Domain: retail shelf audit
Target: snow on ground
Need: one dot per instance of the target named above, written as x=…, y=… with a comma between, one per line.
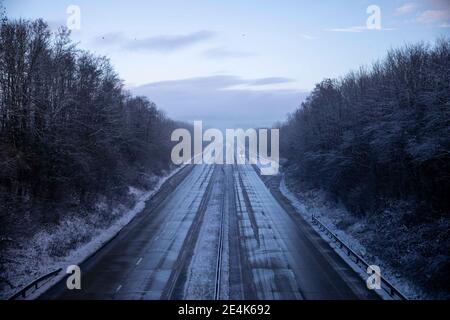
x=314, y=203
x=201, y=274
x=33, y=260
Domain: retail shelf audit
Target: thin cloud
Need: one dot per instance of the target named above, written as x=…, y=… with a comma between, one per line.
x=357, y=29
x=170, y=42
x=408, y=7
x=218, y=82
x=437, y=13
x=162, y=43
x=349, y=29
x=307, y=37
x=270, y=80
x=197, y=83
x=432, y=16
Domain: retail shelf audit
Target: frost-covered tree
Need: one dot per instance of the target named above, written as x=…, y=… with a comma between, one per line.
x=382, y=132
x=68, y=130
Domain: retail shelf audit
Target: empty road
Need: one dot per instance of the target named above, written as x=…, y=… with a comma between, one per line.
x=216, y=232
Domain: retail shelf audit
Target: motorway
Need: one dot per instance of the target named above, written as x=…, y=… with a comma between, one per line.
x=216, y=232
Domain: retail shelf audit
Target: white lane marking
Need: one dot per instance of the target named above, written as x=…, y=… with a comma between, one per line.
x=118, y=288
x=139, y=261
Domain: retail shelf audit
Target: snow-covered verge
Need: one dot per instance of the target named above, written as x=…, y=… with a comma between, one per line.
x=367, y=238
x=70, y=242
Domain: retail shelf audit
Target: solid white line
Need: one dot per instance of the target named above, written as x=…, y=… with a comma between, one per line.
x=118, y=288
x=139, y=261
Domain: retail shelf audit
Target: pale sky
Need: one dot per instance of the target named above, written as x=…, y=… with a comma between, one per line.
x=238, y=62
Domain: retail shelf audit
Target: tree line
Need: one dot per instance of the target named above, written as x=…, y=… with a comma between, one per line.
x=69, y=132
x=378, y=134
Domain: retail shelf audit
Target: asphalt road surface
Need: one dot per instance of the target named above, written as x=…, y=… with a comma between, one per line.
x=216, y=232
